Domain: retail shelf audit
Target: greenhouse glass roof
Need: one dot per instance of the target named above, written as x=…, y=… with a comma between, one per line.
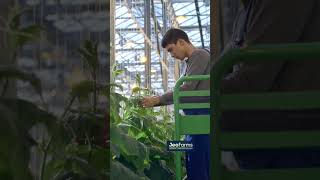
x=130, y=36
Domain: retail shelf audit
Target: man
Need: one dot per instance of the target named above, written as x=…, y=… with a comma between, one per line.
x=177, y=43
x=274, y=21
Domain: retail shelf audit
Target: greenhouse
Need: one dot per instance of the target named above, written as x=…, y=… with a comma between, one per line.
x=138, y=29
x=229, y=109
x=142, y=67
x=159, y=89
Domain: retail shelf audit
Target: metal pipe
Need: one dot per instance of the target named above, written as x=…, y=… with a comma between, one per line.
x=165, y=54
x=199, y=22
x=112, y=32
x=147, y=52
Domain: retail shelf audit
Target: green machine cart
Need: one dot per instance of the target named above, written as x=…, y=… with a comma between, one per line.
x=189, y=124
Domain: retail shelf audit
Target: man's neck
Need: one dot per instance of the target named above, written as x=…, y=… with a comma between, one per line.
x=190, y=49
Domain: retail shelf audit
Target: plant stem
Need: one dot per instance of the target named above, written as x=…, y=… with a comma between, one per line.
x=90, y=147
x=44, y=158
x=68, y=107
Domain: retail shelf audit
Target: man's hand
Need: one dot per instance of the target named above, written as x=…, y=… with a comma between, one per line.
x=150, y=101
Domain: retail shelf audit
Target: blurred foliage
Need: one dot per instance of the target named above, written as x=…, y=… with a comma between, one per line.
x=20, y=35
x=86, y=154
x=75, y=147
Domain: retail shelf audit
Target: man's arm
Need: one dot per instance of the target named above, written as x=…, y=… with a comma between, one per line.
x=199, y=66
x=270, y=21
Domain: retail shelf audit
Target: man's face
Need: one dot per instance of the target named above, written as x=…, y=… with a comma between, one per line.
x=176, y=50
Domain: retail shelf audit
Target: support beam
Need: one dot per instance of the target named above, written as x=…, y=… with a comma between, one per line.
x=216, y=30
x=147, y=30
x=199, y=22
x=164, y=71
x=220, y=25
x=137, y=29
x=175, y=24
x=112, y=32
x=172, y=1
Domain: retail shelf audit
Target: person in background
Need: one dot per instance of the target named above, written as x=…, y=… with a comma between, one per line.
x=274, y=22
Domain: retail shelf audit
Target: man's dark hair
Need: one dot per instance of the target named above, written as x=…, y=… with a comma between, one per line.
x=172, y=36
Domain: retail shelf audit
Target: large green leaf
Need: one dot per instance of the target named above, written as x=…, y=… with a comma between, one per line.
x=115, y=99
x=159, y=171
x=101, y=158
x=134, y=151
x=73, y=163
x=119, y=171
x=54, y=168
x=86, y=168
x=161, y=154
